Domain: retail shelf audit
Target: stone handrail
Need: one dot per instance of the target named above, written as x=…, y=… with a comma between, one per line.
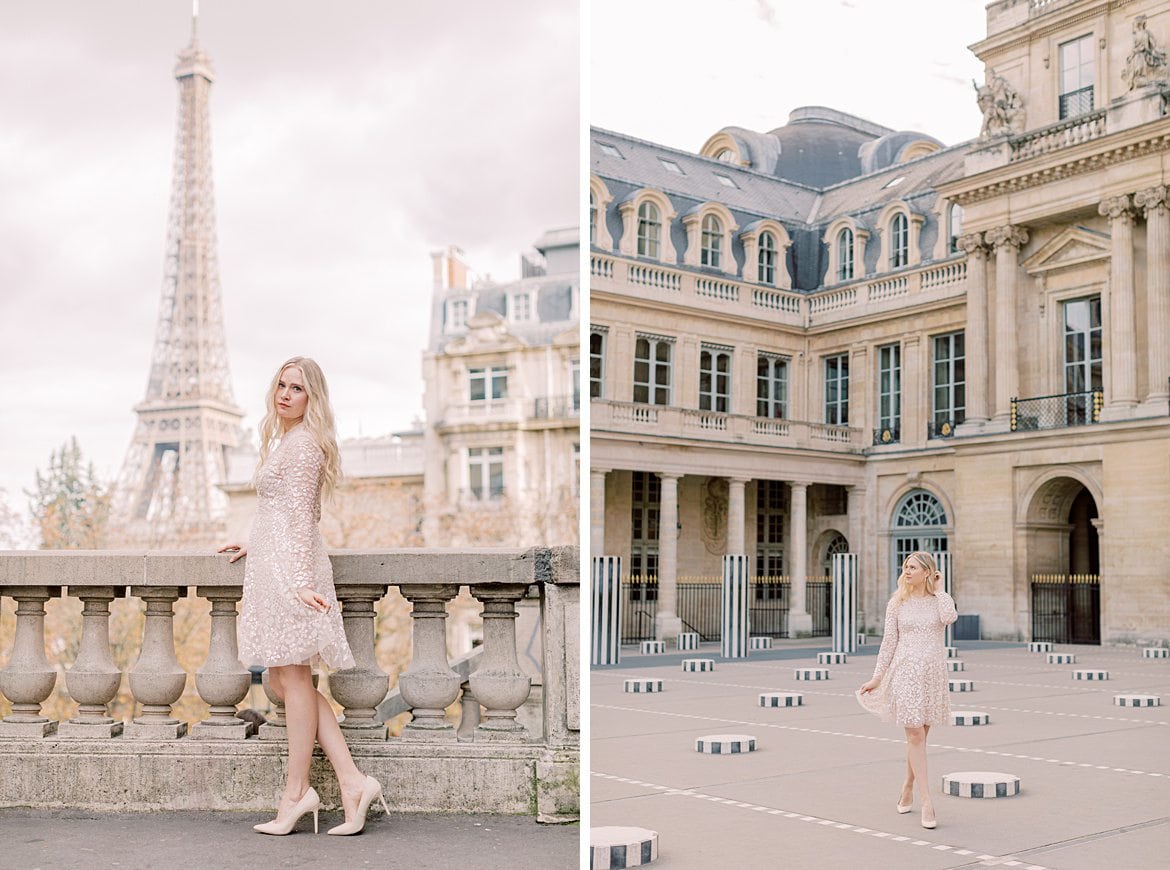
x=929, y=283
x=429, y=579
x=1058, y=136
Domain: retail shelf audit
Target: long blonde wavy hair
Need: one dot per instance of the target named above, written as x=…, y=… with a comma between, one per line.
x=933, y=578
x=318, y=421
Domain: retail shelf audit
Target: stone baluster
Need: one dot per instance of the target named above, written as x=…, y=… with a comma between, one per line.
x=498, y=682
x=94, y=679
x=1121, y=368
x=157, y=680
x=362, y=688
x=428, y=684
x=222, y=681
x=28, y=678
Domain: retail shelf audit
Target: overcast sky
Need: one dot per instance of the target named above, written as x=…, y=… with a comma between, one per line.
x=676, y=72
x=350, y=140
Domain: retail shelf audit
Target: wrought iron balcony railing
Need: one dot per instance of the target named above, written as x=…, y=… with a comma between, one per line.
x=1057, y=412
x=887, y=435
x=941, y=428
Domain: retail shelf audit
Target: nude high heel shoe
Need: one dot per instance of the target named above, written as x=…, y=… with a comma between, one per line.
x=309, y=803
x=371, y=790
x=905, y=808
x=933, y=823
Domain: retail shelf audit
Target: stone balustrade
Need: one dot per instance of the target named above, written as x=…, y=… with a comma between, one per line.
x=489, y=763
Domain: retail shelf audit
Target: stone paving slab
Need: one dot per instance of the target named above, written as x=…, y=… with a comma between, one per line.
x=823, y=782
x=68, y=839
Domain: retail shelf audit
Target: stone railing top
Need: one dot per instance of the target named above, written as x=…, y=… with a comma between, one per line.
x=406, y=567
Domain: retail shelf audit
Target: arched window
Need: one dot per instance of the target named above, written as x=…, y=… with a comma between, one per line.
x=592, y=218
x=767, y=259
x=837, y=545
x=899, y=241
x=649, y=230
x=845, y=255
x=726, y=155
x=954, y=227
x=919, y=525
x=711, y=245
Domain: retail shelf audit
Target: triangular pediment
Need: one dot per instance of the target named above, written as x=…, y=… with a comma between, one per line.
x=1070, y=247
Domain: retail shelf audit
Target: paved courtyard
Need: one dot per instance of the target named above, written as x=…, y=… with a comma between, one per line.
x=820, y=790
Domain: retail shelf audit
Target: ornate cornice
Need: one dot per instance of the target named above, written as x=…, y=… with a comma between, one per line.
x=1117, y=208
x=1007, y=236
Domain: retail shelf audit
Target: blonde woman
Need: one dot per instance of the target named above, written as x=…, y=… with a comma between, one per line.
x=909, y=684
x=290, y=619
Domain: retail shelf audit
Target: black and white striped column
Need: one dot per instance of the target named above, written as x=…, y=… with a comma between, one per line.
x=943, y=561
x=844, y=602
x=734, y=624
x=607, y=610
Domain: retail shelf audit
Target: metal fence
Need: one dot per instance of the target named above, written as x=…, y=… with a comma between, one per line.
x=1066, y=608
x=1057, y=412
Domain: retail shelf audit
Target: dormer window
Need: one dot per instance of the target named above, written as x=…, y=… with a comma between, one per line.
x=649, y=230
x=845, y=255
x=520, y=307
x=767, y=259
x=899, y=241
x=712, y=242
x=725, y=155
x=458, y=311
x=671, y=166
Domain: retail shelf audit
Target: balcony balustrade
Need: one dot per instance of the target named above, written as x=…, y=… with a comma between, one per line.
x=488, y=763
x=486, y=410
x=1057, y=412
x=1063, y=134
x=556, y=407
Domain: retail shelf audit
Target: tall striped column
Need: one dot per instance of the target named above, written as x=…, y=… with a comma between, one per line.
x=607, y=610
x=734, y=636
x=943, y=560
x=844, y=602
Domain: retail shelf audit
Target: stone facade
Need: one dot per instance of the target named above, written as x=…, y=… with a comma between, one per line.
x=837, y=335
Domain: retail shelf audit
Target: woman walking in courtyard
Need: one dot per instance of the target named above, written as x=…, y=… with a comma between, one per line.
x=290, y=619
x=909, y=684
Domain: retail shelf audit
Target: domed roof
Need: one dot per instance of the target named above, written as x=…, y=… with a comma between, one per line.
x=820, y=146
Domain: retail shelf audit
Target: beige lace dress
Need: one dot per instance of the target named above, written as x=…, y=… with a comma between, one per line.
x=912, y=664
x=286, y=553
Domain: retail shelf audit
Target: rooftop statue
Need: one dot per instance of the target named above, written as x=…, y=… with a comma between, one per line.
x=1146, y=64
x=1001, y=105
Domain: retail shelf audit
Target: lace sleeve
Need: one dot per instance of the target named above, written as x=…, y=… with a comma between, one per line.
x=889, y=640
x=946, y=608
x=302, y=479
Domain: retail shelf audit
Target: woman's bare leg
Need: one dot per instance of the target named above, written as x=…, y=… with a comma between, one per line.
x=349, y=778
x=916, y=756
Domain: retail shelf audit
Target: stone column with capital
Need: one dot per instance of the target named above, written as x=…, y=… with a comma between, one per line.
x=799, y=619
x=978, y=372
x=1155, y=203
x=1121, y=367
x=667, y=624
x=735, y=515
x=1007, y=241
x=597, y=511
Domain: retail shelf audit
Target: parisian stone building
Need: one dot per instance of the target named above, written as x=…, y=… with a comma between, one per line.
x=838, y=337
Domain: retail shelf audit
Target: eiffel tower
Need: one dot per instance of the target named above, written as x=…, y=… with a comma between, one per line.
x=167, y=494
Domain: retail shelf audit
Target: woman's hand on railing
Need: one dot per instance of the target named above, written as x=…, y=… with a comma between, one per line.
x=238, y=551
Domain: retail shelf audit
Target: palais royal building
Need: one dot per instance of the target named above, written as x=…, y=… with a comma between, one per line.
x=838, y=337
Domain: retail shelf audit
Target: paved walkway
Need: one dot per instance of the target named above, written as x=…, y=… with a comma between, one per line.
x=67, y=839
x=820, y=791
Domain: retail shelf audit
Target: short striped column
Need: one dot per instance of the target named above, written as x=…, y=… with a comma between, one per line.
x=639, y=687
x=688, y=640
x=954, y=665
x=861, y=639
x=653, y=647
x=1062, y=658
x=725, y=744
x=832, y=658
x=614, y=847
x=1044, y=646
x=980, y=784
x=812, y=673
x=969, y=717
x=698, y=665
x=606, y=623
x=951, y=651
x=733, y=641
x=943, y=561
x=960, y=686
x=1089, y=674
x=1156, y=652
x=781, y=699
x=759, y=642
x=1137, y=700
x=844, y=609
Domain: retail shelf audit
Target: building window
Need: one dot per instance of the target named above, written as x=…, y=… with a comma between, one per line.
x=575, y=383
x=487, y=384
x=611, y=150
x=954, y=227
x=837, y=390
x=714, y=379
x=485, y=472
x=890, y=391
x=1076, y=77
x=770, y=520
x=766, y=270
x=457, y=311
x=649, y=230
x=592, y=218
x=596, y=364
x=1083, y=369
x=838, y=544
x=950, y=383
x=899, y=241
x=845, y=255
x=520, y=307
x=711, y=246
x=919, y=526
x=771, y=386
x=725, y=155
x=646, y=499
x=671, y=166
x=726, y=180
x=652, y=370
